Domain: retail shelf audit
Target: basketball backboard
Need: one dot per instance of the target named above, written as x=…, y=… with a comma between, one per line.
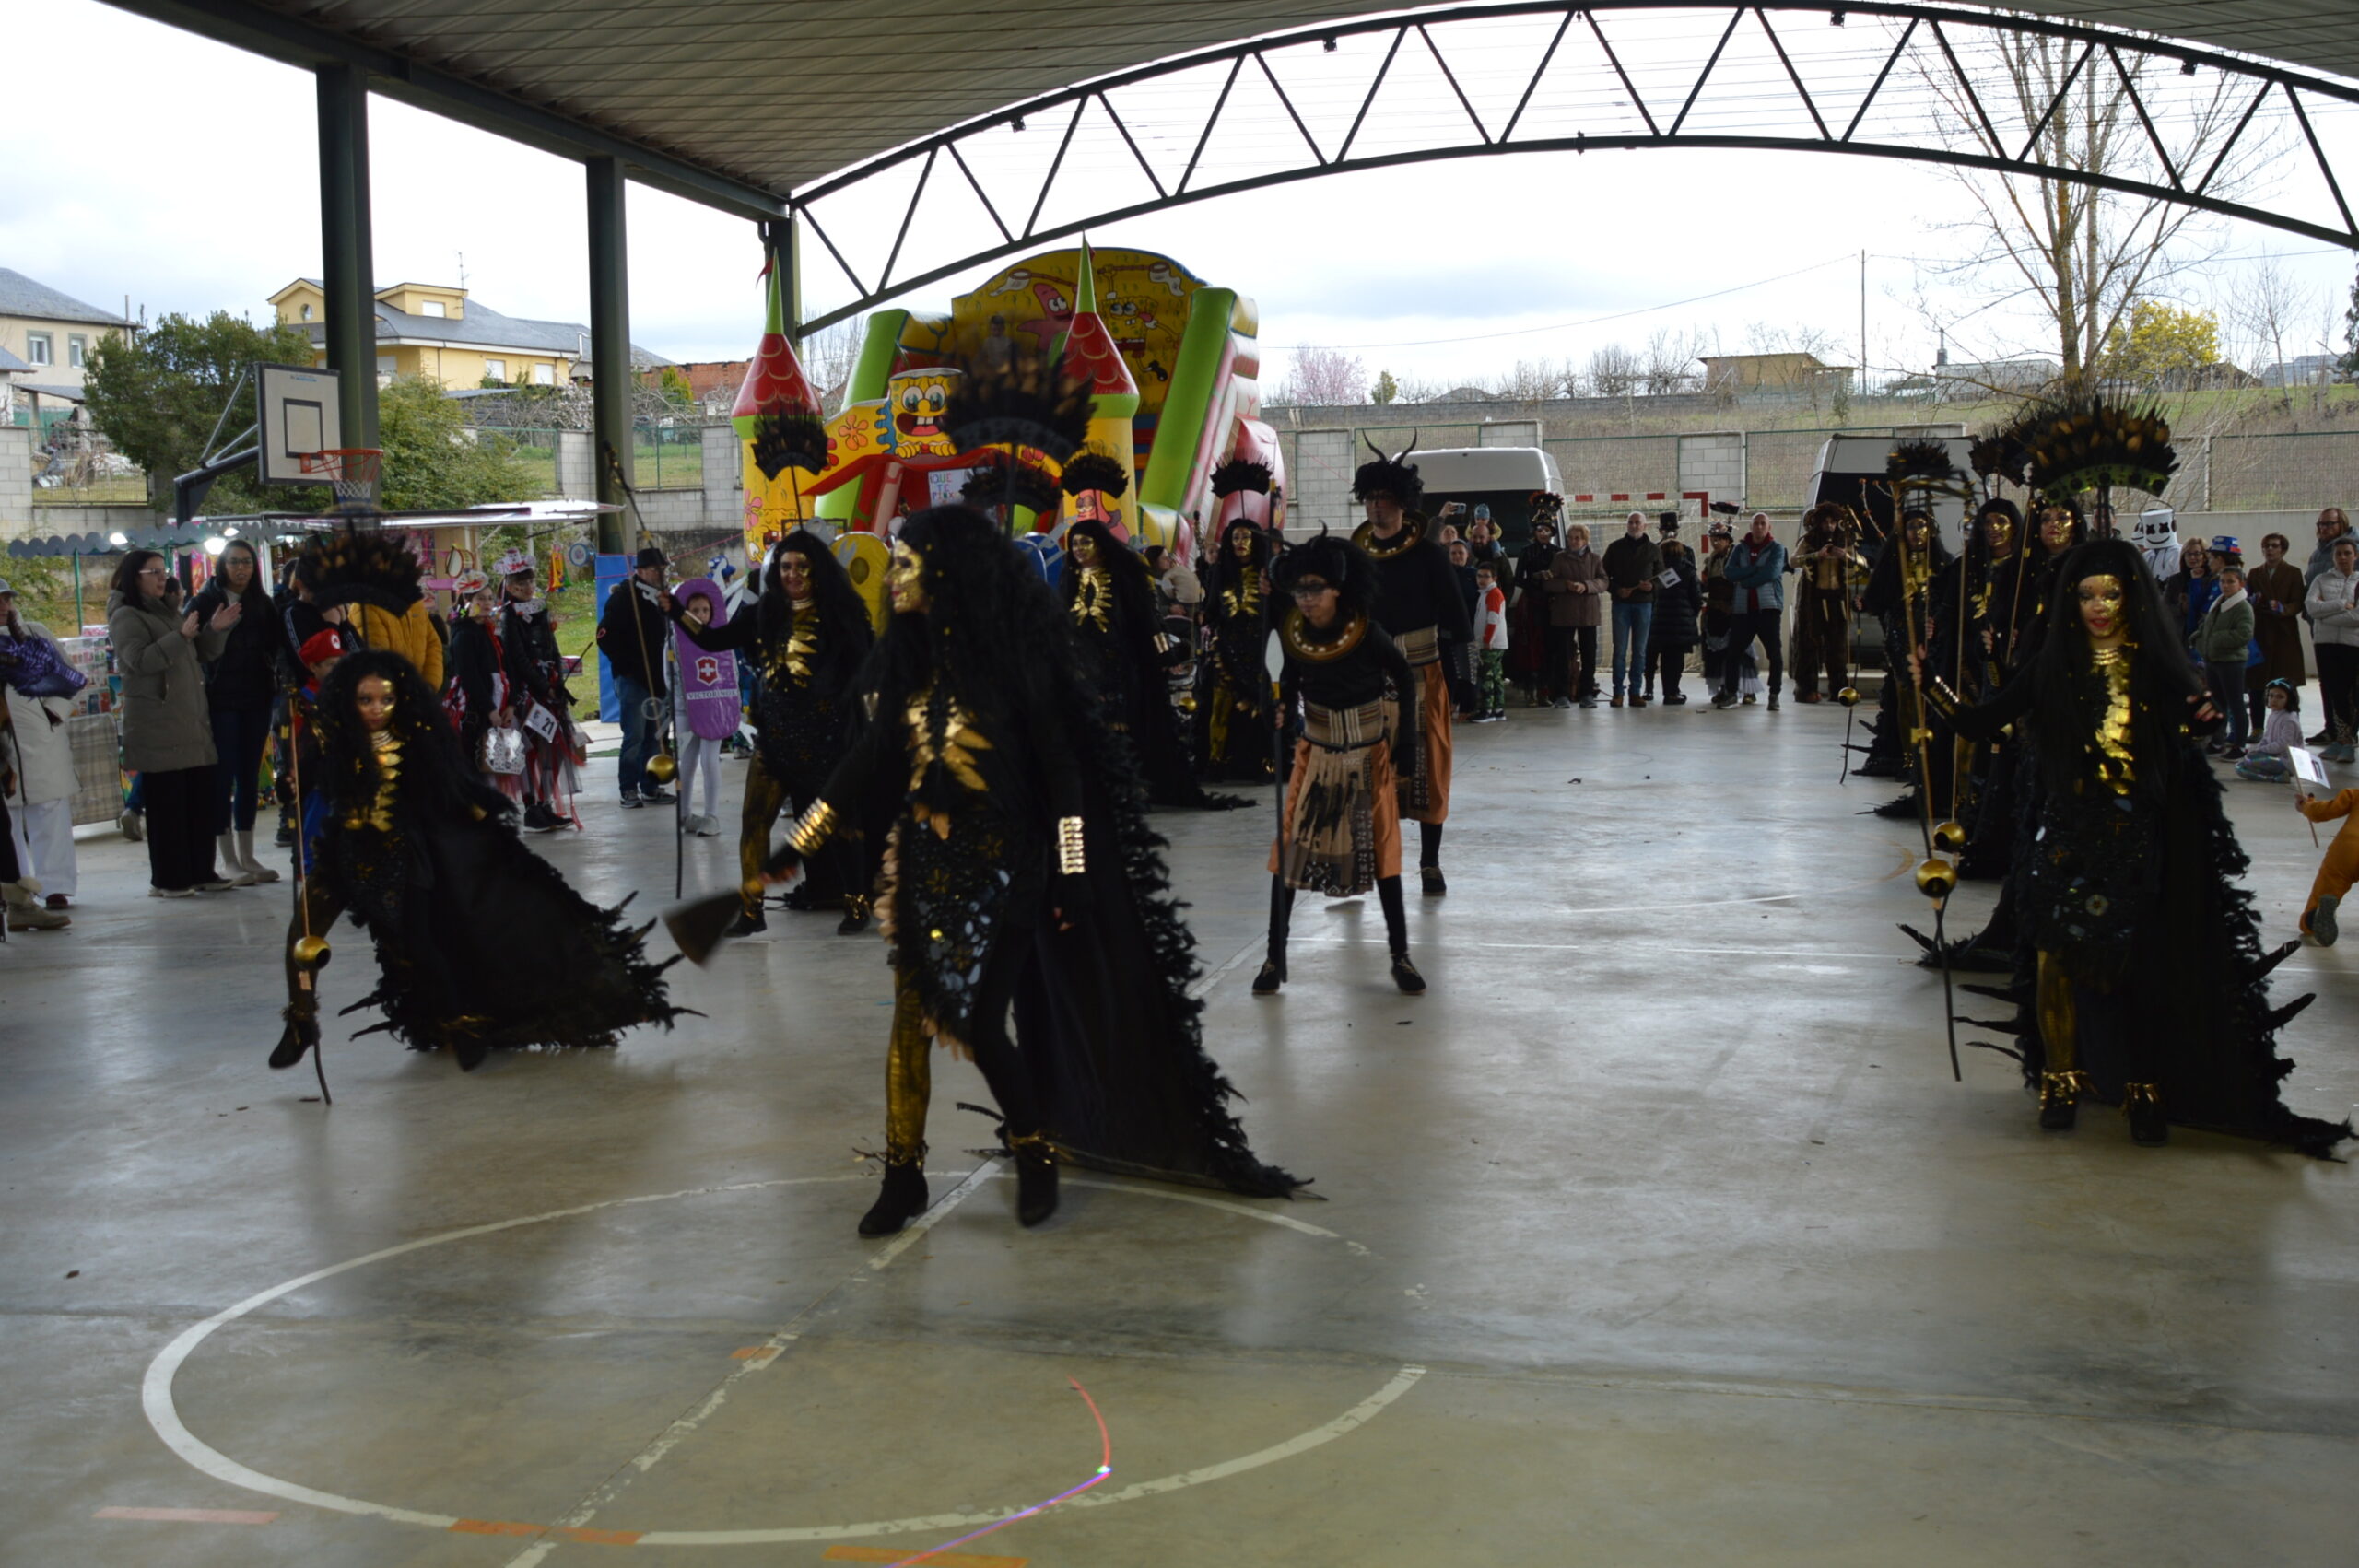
x=296, y=410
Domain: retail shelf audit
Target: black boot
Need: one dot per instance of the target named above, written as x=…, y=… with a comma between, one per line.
x=2060, y=1101
x=1273, y=968
x=1396, y=935
x=1036, y=1179
x=2143, y=1104
x=855, y=919
x=747, y=922
x=1429, y=858
x=902, y=1200
x=303, y=1034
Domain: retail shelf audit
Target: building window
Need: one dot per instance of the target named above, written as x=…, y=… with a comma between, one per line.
x=307, y=312
x=432, y=307
x=37, y=348
x=495, y=369
x=78, y=349
x=545, y=375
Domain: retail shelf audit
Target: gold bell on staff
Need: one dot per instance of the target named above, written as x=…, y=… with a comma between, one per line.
x=1949, y=835
x=1848, y=696
x=1936, y=879
x=311, y=952
x=662, y=767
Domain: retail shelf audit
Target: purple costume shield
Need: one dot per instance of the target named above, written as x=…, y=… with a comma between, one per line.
x=708, y=703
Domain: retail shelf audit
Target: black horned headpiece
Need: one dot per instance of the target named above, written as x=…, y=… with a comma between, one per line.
x=1335, y=559
x=1545, y=505
x=1389, y=476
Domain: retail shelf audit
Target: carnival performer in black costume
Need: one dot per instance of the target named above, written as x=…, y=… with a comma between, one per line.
x=1420, y=606
x=807, y=635
x=1110, y=597
x=479, y=941
x=2009, y=809
x=1362, y=709
x=2140, y=981
x=1019, y=872
x=1979, y=606
x=1234, y=707
x=535, y=669
x=1898, y=595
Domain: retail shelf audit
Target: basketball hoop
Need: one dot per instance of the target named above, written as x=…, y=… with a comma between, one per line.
x=352, y=471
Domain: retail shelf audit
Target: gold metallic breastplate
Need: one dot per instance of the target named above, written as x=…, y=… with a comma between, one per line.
x=1092, y=600
x=955, y=749
x=802, y=646
x=380, y=814
x=1245, y=598
x=2112, y=741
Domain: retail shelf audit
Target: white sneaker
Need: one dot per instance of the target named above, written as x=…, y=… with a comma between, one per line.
x=133, y=826
x=171, y=893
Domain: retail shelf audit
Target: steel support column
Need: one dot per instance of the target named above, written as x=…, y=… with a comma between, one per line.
x=610, y=365
x=347, y=269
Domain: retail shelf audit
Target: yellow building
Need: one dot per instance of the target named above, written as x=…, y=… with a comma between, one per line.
x=435, y=332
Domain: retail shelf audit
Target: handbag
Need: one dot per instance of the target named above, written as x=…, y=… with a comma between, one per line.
x=503, y=750
x=34, y=669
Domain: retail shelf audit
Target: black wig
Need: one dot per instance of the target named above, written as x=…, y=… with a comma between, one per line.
x=2069, y=699
x=1133, y=584
x=435, y=779
x=845, y=631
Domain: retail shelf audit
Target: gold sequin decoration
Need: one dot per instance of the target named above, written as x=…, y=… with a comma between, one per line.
x=955, y=750
x=380, y=814
x=1244, y=598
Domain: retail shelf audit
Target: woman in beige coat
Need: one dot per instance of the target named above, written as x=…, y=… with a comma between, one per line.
x=167, y=729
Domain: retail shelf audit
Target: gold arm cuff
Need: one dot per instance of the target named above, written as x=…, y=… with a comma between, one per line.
x=1071, y=861
x=813, y=828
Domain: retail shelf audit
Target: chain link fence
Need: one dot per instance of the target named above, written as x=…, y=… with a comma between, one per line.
x=2305, y=469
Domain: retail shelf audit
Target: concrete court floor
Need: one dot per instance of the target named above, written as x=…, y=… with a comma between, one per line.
x=1665, y=1187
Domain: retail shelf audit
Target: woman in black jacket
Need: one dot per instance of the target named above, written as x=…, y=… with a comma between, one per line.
x=1678, y=608
x=240, y=687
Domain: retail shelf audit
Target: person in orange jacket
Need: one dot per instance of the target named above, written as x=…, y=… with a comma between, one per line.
x=2338, y=871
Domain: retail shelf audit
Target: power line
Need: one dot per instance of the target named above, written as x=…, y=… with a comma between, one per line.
x=1586, y=321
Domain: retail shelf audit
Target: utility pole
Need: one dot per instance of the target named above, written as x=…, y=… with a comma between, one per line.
x=1863, y=323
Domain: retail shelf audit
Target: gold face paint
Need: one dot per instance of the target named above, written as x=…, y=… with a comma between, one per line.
x=2102, y=604
x=2056, y=529
x=375, y=701
x=904, y=580
x=1999, y=530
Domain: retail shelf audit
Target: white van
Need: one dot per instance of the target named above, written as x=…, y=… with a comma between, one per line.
x=1500, y=477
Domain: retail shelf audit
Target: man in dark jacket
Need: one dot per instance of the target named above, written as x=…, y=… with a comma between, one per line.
x=1632, y=563
x=632, y=634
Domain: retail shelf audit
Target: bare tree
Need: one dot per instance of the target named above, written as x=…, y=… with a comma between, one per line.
x=830, y=356
x=1323, y=378
x=1418, y=388
x=1670, y=363
x=2083, y=255
x=1615, y=371
x=2267, y=310
x=1532, y=380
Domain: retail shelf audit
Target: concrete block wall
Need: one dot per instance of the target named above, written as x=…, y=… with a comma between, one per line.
x=1321, y=475
x=1510, y=433
x=724, y=473
x=16, y=482
x=1713, y=461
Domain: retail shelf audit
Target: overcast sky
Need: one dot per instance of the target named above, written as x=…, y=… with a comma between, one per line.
x=121, y=183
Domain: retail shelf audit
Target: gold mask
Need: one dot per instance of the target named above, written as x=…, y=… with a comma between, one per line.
x=905, y=580
x=2102, y=603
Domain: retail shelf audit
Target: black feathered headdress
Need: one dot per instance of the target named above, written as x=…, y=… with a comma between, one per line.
x=1006, y=482
x=1241, y=473
x=788, y=440
x=1389, y=476
x=2088, y=444
x=362, y=566
x=1545, y=505
x=1026, y=403
x=1095, y=471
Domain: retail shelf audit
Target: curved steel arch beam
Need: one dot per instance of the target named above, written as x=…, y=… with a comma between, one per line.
x=1070, y=104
